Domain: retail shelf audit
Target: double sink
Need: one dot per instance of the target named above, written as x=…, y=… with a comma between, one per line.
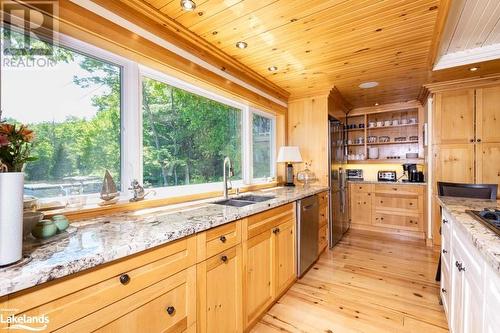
x=244, y=200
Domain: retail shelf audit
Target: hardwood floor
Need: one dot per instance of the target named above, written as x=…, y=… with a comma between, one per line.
x=368, y=283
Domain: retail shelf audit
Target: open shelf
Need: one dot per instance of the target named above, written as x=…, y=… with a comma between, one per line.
x=392, y=126
x=388, y=161
x=391, y=143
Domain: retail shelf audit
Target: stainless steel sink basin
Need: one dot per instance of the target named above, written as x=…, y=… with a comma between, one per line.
x=255, y=198
x=244, y=200
x=234, y=203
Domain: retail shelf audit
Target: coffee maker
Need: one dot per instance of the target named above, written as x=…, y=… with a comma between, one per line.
x=412, y=174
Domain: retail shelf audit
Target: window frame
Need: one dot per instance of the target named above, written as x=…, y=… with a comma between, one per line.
x=271, y=117
x=131, y=125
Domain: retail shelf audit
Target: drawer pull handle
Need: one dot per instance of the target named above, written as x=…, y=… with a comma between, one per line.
x=460, y=266
x=411, y=203
x=444, y=251
x=275, y=231
x=170, y=310
x=381, y=201
x=443, y=290
x=223, y=239
x=124, y=278
x=395, y=189
x=445, y=221
x=223, y=258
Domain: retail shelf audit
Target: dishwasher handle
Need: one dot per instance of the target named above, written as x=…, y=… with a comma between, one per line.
x=309, y=206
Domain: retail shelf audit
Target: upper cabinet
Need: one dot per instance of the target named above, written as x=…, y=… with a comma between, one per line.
x=488, y=114
x=466, y=138
x=454, y=117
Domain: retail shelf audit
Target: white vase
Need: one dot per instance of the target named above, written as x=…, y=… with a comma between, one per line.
x=11, y=217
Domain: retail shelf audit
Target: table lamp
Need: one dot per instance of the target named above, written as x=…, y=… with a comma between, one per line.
x=289, y=155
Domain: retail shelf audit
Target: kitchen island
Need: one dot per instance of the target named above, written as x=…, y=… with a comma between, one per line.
x=470, y=266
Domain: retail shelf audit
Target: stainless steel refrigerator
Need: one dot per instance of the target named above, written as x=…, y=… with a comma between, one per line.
x=338, y=205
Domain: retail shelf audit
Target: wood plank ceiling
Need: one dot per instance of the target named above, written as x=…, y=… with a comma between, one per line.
x=319, y=44
x=471, y=24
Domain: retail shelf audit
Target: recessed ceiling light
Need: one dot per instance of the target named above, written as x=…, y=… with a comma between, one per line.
x=188, y=5
x=241, y=45
x=473, y=69
x=366, y=85
x=272, y=68
x=376, y=104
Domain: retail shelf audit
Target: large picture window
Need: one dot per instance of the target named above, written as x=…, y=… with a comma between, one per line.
x=186, y=136
x=93, y=111
x=72, y=102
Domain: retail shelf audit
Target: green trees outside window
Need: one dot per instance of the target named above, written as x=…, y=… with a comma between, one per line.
x=187, y=136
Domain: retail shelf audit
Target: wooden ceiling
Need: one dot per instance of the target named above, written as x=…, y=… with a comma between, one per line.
x=321, y=44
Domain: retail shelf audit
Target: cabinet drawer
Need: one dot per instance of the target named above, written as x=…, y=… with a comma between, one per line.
x=446, y=226
x=259, y=223
x=216, y=240
x=67, y=300
x=322, y=239
x=323, y=216
x=388, y=201
x=398, y=221
x=364, y=188
x=166, y=306
x=323, y=198
x=399, y=189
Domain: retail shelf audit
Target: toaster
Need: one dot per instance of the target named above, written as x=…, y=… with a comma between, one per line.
x=386, y=176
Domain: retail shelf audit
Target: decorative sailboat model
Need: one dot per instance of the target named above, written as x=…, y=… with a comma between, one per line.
x=109, y=192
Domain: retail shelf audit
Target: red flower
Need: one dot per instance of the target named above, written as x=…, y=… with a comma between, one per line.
x=27, y=134
x=7, y=129
x=4, y=140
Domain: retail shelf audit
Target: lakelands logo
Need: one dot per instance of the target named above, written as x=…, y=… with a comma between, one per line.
x=24, y=322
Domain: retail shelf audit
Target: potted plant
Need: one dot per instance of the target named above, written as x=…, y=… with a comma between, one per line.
x=15, y=148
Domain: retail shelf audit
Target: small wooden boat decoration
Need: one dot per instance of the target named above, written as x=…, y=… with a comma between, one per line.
x=109, y=192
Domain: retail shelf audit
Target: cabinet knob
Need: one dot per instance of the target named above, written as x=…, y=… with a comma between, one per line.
x=382, y=218
x=395, y=188
x=364, y=202
x=443, y=290
x=124, y=278
x=444, y=251
x=223, y=258
x=471, y=140
x=369, y=194
x=170, y=310
x=381, y=201
x=275, y=231
x=411, y=203
x=478, y=140
x=445, y=221
x=222, y=239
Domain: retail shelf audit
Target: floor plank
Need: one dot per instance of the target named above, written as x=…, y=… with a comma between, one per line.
x=368, y=283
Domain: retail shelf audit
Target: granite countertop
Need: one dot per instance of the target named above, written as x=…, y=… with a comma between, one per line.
x=101, y=240
x=385, y=183
x=484, y=239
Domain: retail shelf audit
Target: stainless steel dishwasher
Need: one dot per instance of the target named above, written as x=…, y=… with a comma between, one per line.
x=307, y=233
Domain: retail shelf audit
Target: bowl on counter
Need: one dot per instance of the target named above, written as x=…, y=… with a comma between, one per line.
x=30, y=219
x=44, y=229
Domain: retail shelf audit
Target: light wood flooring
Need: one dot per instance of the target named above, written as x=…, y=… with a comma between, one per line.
x=368, y=283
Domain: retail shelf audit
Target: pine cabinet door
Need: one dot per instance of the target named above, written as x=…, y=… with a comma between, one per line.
x=454, y=117
x=259, y=270
x=488, y=114
x=488, y=163
x=285, y=255
x=220, y=292
x=361, y=207
x=454, y=163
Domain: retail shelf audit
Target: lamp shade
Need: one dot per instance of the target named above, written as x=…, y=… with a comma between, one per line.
x=289, y=154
